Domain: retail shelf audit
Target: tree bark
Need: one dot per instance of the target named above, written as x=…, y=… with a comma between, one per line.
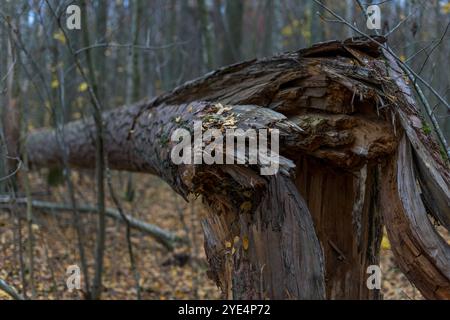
x=311, y=230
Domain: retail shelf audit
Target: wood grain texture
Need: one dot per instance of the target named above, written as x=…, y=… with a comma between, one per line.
x=423, y=255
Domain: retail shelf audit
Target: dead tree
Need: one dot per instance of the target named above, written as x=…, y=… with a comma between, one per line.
x=353, y=153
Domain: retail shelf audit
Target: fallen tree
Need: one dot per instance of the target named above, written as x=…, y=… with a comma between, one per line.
x=351, y=146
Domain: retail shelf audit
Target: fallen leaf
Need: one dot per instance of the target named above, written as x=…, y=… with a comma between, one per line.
x=245, y=243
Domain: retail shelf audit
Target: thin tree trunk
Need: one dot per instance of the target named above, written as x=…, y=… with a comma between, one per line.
x=207, y=41
x=234, y=15
x=99, y=163
x=269, y=17
x=316, y=24
x=100, y=61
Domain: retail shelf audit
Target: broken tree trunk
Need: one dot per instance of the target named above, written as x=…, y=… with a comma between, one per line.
x=311, y=230
x=421, y=252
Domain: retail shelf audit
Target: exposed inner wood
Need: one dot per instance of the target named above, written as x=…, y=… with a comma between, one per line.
x=421, y=252
x=433, y=172
x=344, y=209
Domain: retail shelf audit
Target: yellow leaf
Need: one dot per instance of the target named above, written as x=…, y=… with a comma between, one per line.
x=385, y=244
x=82, y=87
x=236, y=239
x=306, y=33
x=287, y=31
x=55, y=84
x=227, y=244
x=245, y=243
x=246, y=206
x=60, y=37
x=402, y=57
x=446, y=8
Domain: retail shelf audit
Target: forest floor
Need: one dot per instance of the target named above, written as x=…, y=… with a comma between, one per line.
x=163, y=275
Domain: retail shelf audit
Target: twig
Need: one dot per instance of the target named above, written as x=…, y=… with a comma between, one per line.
x=29, y=211
x=128, y=234
x=419, y=51
x=19, y=165
x=400, y=23
x=195, y=280
x=402, y=64
x=182, y=219
x=433, y=48
x=8, y=72
x=128, y=46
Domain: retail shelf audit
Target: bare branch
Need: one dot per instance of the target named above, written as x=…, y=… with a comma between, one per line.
x=19, y=165
x=125, y=219
x=164, y=237
x=400, y=23
x=128, y=46
x=10, y=290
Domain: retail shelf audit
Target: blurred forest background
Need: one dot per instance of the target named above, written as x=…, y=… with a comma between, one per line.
x=136, y=49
